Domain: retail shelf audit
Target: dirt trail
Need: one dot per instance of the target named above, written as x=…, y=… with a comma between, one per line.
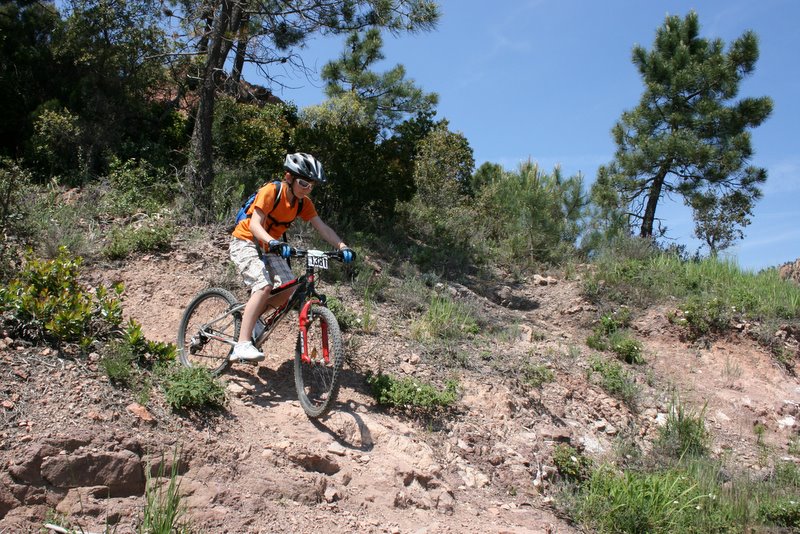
x=264, y=467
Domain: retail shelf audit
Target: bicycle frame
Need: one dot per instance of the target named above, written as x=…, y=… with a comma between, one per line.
x=303, y=297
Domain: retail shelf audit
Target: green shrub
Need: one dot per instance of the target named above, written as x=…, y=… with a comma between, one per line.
x=625, y=347
x=14, y=186
x=597, y=340
x=615, y=380
x=46, y=302
x=684, y=433
x=610, y=334
x=123, y=358
x=532, y=216
x=614, y=321
x=536, y=375
x=138, y=187
x=702, y=316
x=126, y=241
x=117, y=362
x=147, y=352
x=410, y=393
x=782, y=512
x=573, y=466
x=187, y=388
x=346, y=318
x=56, y=143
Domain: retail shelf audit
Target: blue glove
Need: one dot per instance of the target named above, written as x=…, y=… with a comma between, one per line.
x=278, y=247
x=348, y=255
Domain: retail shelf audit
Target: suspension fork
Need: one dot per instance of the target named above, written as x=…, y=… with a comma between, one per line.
x=305, y=320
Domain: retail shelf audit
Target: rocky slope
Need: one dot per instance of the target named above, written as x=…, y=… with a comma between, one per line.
x=75, y=450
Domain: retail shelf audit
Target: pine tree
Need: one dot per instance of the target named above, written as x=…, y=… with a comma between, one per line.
x=689, y=136
x=388, y=96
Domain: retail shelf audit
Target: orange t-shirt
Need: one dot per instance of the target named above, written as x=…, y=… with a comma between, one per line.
x=277, y=220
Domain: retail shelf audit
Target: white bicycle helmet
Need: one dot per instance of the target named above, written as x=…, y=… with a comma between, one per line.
x=305, y=165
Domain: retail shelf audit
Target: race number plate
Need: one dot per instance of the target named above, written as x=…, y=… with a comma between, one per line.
x=317, y=259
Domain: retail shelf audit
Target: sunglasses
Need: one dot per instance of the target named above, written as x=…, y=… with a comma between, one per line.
x=303, y=183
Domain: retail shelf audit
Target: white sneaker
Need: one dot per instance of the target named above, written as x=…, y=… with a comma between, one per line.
x=246, y=352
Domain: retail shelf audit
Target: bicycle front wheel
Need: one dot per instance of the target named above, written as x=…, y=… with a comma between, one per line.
x=317, y=377
x=208, y=330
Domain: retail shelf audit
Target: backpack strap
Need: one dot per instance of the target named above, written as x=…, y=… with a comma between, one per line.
x=273, y=220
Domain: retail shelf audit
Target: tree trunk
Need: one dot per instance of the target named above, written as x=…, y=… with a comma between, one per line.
x=201, y=165
x=652, y=201
x=241, y=49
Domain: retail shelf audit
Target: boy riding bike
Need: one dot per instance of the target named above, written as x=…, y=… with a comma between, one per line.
x=256, y=248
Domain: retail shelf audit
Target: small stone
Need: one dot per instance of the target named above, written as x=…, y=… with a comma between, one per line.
x=235, y=389
x=140, y=412
x=332, y=495
x=8, y=405
x=337, y=449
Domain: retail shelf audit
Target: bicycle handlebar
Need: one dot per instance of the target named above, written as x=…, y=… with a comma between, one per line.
x=302, y=253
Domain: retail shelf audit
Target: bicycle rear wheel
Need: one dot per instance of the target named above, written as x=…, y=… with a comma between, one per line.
x=317, y=380
x=208, y=330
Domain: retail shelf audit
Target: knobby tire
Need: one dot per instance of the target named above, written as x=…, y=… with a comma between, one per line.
x=317, y=382
x=197, y=350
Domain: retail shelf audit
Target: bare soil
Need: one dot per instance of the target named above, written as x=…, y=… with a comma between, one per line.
x=261, y=465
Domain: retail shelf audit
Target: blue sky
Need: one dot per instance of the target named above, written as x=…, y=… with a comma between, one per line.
x=547, y=80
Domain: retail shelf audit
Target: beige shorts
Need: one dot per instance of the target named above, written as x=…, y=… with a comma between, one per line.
x=257, y=274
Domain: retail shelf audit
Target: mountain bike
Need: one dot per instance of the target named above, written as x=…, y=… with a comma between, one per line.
x=211, y=323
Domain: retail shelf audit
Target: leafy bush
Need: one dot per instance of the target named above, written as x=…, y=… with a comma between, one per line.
x=56, y=143
x=615, y=321
x=346, y=318
x=625, y=347
x=536, y=375
x=187, y=388
x=252, y=137
x=615, y=380
x=126, y=241
x=782, y=512
x=138, y=186
x=533, y=216
x=441, y=213
x=703, y=316
x=14, y=185
x=571, y=465
x=597, y=340
x=411, y=393
x=46, y=302
x=125, y=357
x=147, y=352
x=610, y=334
x=117, y=362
